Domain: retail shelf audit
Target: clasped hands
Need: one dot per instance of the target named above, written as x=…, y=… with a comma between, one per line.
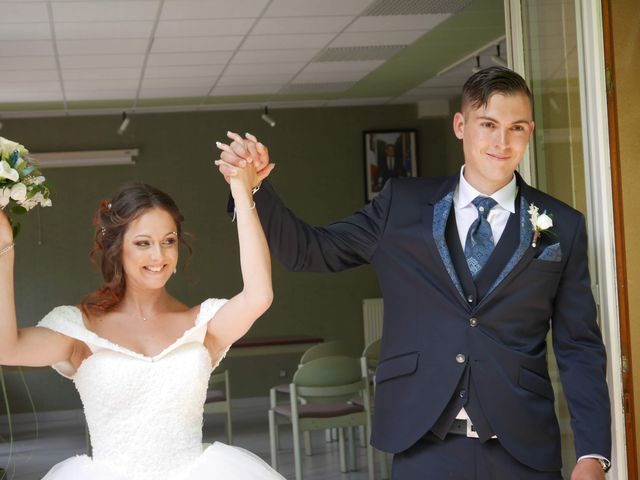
x=242, y=151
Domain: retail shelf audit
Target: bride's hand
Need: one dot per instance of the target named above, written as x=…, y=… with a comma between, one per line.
x=6, y=232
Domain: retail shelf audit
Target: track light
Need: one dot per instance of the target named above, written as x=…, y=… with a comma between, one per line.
x=477, y=68
x=497, y=59
x=265, y=116
x=125, y=123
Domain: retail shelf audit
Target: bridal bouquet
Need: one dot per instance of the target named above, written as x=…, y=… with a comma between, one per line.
x=22, y=186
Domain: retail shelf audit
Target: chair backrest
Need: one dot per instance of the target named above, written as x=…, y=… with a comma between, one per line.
x=325, y=349
x=329, y=379
x=372, y=354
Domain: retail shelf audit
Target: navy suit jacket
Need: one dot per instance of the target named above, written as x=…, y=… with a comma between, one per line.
x=430, y=342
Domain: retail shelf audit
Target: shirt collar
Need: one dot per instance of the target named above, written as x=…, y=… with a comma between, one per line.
x=505, y=197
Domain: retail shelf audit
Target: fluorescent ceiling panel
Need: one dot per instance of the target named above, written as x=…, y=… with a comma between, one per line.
x=122, y=84
x=397, y=23
x=312, y=77
x=196, y=44
x=189, y=58
x=357, y=39
x=102, y=46
x=275, y=26
x=30, y=96
x=263, y=68
x=24, y=31
x=83, y=95
x=296, y=8
x=27, y=75
x=104, y=61
x=178, y=82
x=225, y=90
x=96, y=11
x=274, y=56
x=274, y=42
x=207, y=27
x=254, y=80
x=32, y=63
x=183, y=71
x=17, y=48
x=189, y=9
x=100, y=73
x=15, y=12
x=86, y=158
x=101, y=30
x=366, y=65
x=167, y=92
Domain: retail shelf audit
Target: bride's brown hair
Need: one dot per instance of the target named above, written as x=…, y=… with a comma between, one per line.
x=111, y=222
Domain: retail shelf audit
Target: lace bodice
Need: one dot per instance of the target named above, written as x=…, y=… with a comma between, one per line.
x=144, y=413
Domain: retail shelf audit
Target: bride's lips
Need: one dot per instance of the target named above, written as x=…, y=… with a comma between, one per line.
x=154, y=269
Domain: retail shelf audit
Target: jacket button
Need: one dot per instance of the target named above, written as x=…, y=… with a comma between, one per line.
x=473, y=322
x=460, y=358
x=470, y=298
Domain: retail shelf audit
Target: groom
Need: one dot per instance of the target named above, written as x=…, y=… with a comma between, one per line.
x=471, y=290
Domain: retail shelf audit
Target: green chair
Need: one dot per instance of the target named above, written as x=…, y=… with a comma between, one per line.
x=219, y=400
x=325, y=349
x=319, y=397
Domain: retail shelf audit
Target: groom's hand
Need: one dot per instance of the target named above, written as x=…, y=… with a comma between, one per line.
x=242, y=151
x=588, y=469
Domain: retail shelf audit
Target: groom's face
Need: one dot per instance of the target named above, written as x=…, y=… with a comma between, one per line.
x=494, y=139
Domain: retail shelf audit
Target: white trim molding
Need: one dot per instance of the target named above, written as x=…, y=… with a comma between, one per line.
x=595, y=139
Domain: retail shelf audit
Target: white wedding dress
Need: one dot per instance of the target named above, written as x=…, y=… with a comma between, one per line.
x=145, y=413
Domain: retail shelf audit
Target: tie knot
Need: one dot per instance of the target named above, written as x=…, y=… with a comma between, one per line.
x=484, y=204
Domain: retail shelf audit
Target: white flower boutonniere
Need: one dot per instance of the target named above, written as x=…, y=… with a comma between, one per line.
x=541, y=222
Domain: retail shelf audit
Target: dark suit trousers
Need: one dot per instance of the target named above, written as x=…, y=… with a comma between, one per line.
x=461, y=458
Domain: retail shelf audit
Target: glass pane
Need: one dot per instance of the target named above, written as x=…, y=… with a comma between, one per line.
x=551, y=62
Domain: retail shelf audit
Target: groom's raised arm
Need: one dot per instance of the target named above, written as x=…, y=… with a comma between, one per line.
x=298, y=245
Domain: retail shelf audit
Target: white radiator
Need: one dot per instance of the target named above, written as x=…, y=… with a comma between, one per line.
x=372, y=312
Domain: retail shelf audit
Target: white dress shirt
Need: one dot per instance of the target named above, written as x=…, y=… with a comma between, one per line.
x=467, y=213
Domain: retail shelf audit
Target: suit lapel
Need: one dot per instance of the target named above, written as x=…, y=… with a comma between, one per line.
x=434, y=221
x=525, y=251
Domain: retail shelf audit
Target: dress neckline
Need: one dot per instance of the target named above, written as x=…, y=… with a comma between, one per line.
x=105, y=342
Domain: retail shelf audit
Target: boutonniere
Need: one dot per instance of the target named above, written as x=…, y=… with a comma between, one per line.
x=541, y=222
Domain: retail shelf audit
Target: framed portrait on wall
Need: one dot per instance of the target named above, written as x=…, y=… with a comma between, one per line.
x=388, y=154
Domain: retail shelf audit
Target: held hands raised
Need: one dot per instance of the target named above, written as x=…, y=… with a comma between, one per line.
x=235, y=156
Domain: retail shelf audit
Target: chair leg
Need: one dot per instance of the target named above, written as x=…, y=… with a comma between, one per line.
x=384, y=466
x=273, y=439
x=352, y=449
x=229, y=428
x=362, y=436
x=327, y=436
x=307, y=443
x=343, y=456
x=297, y=457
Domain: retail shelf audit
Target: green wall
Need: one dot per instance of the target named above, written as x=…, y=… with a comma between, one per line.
x=320, y=174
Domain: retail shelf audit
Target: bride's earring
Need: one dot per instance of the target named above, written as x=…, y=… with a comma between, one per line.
x=175, y=270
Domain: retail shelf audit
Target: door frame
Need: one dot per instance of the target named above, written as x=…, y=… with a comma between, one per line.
x=601, y=227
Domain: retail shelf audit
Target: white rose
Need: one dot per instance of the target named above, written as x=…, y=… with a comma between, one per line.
x=7, y=172
x=19, y=192
x=45, y=203
x=7, y=147
x=5, y=197
x=544, y=222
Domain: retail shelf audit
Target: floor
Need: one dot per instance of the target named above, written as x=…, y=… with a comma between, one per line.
x=63, y=435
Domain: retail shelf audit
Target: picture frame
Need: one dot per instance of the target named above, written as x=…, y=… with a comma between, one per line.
x=388, y=154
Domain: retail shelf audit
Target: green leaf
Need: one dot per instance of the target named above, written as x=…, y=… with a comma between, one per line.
x=16, y=229
x=18, y=210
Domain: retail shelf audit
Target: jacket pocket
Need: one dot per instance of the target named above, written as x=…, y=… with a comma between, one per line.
x=545, y=265
x=535, y=383
x=397, y=366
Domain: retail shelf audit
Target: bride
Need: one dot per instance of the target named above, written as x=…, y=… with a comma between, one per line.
x=140, y=358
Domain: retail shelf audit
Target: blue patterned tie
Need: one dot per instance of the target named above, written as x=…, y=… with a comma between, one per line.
x=479, y=244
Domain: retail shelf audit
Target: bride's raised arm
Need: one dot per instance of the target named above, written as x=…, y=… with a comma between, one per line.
x=236, y=316
x=32, y=347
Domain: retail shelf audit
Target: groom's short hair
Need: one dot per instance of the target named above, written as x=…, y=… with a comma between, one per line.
x=480, y=86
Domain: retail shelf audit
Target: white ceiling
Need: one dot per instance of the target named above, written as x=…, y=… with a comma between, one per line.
x=134, y=50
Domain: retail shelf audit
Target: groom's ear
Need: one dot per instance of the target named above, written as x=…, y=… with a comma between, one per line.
x=458, y=125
